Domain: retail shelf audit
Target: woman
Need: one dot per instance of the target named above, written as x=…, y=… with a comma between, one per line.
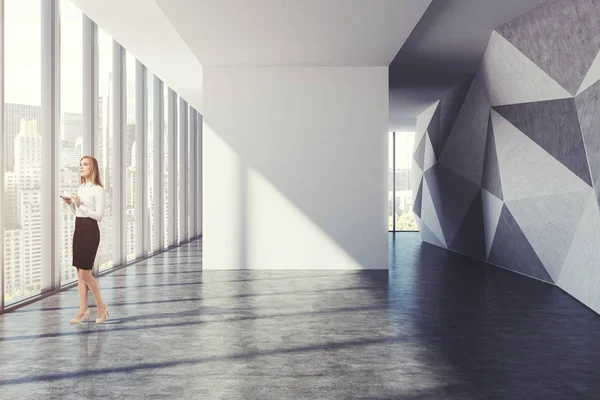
x=88, y=206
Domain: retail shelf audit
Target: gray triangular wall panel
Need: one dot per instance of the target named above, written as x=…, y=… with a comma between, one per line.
x=588, y=12
x=551, y=37
x=580, y=274
x=450, y=106
x=554, y=126
x=428, y=236
x=423, y=121
x=512, y=250
x=592, y=76
x=429, y=214
x=491, y=171
x=549, y=223
x=513, y=78
x=416, y=176
x=470, y=238
x=418, y=200
x=465, y=149
x=492, y=208
x=526, y=169
x=452, y=196
x=588, y=109
x=429, y=159
x=434, y=131
x=419, y=155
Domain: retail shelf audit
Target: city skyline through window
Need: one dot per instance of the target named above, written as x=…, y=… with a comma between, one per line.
x=23, y=131
x=130, y=156
x=104, y=144
x=81, y=121
x=400, y=196
x=71, y=134
x=152, y=238
x=167, y=165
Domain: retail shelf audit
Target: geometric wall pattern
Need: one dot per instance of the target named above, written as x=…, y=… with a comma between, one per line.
x=507, y=166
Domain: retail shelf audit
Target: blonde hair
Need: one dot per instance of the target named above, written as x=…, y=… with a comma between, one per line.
x=94, y=174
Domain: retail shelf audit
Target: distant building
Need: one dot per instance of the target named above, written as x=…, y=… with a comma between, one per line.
x=403, y=179
x=24, y=225
x=14, y=114
x=72, y=127
x=22, y=191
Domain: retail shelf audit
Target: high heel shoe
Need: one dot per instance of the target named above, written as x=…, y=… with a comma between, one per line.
x=101, y=320
x=85, y=316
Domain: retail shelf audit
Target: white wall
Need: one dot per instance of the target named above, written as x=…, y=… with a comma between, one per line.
x=295, y=168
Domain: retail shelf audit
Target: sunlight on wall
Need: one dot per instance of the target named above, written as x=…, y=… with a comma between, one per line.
x=281, y=237
x=221, y=192
x=248, y=223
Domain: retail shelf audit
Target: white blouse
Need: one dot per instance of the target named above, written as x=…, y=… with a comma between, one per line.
x=92, y=201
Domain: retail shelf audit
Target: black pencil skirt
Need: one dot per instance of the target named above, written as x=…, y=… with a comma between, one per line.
x=85, y=242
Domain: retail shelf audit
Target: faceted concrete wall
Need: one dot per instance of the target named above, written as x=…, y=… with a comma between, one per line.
x=513, y=177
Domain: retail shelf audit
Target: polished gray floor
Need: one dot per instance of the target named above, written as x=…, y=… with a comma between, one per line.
x=437, y=326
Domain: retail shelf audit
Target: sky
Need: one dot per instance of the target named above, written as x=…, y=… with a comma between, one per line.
x=23, y=57
x=71, y=49
x=404, y=150
x=22, y=48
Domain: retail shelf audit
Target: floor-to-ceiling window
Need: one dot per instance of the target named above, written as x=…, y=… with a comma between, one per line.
x=103, y=143
x=400, y=196
x=172, y=111
x=167, y=165
x=23, y=132
x=178, y=183
x=130, y=156
x=391, y=181
x=152, y=234
x=71, y=127
x=190, y=190
x=70, y=87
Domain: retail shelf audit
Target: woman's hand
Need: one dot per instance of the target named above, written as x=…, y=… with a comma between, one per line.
x=76, y=199
x=67, y=200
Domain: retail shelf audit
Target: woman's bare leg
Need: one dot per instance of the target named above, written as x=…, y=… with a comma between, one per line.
x=83, y=290
x=92, y=283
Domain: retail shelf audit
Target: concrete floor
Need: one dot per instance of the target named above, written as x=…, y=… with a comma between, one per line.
x=437, y=326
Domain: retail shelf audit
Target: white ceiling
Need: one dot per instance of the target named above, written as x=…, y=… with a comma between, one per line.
x=175, y=39
x=141, y=27
x=294, y=32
